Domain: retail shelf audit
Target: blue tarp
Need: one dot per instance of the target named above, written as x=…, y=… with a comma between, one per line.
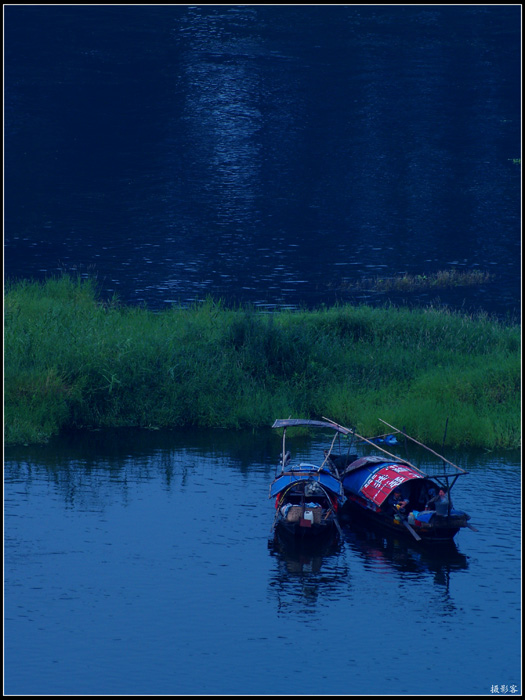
x=388, y=440
x=305, y=474
x=353, y=481
x=423, y=516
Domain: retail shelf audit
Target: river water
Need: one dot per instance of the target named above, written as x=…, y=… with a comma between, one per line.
x=138, y=563
x=277, y=155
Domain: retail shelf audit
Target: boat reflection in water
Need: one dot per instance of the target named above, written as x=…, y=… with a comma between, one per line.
x=303, y=555
x=306, y=573
x=387, y=551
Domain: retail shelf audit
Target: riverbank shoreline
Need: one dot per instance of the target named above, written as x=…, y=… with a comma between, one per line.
x=71, y=361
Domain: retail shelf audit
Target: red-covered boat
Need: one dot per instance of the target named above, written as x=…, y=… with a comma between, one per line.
x=397, y=495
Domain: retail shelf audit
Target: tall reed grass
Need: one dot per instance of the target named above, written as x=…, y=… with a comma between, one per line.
x=72, y=361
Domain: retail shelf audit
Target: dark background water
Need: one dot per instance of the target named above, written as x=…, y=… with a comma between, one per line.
x=270, y=154
x=136, y=563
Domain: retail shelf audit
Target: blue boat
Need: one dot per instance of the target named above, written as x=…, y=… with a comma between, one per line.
x=307, y=496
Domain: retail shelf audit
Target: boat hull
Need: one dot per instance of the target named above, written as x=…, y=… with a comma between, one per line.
x=442, y=529
x=301, y=532
x=399, y=497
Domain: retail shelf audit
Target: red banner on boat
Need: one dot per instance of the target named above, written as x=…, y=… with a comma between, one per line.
x=382, y=482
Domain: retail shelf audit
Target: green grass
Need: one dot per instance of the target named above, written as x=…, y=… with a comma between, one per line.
x=72, y=361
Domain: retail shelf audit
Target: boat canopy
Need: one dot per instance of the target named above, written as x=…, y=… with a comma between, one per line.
x=306, y=472
x=377, y=481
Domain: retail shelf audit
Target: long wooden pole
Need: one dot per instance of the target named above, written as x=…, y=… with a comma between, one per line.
x=328, y=455
x=422, y=445
x=352, y=432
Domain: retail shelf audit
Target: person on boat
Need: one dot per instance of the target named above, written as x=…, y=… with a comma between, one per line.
x=440, y=503
x=398, y=502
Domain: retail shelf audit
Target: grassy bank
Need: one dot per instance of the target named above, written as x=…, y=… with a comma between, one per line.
x=444, y=279
x=404, y=282
x=72, y=361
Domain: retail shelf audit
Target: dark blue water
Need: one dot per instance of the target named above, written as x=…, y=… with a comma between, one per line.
x=137, y=563
x=271, y=154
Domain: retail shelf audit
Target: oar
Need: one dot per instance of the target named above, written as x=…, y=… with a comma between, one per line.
x=275, y=518
x=272, y=534
x=336, y=521
x=410, y=528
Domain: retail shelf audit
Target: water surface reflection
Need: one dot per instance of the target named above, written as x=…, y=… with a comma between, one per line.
x=385, y=553
x=263, y=154
x=304, y=573
x=143, y=556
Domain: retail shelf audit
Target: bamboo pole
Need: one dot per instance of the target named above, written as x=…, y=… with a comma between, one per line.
x=426, y=448
x=352, y=432
x=328, y=455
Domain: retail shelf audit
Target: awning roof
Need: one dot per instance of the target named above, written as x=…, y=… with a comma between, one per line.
x=306, y=474
x=377, y=483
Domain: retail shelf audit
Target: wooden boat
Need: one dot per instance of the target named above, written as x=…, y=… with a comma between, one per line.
x=371, y=482
x=307, y=496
